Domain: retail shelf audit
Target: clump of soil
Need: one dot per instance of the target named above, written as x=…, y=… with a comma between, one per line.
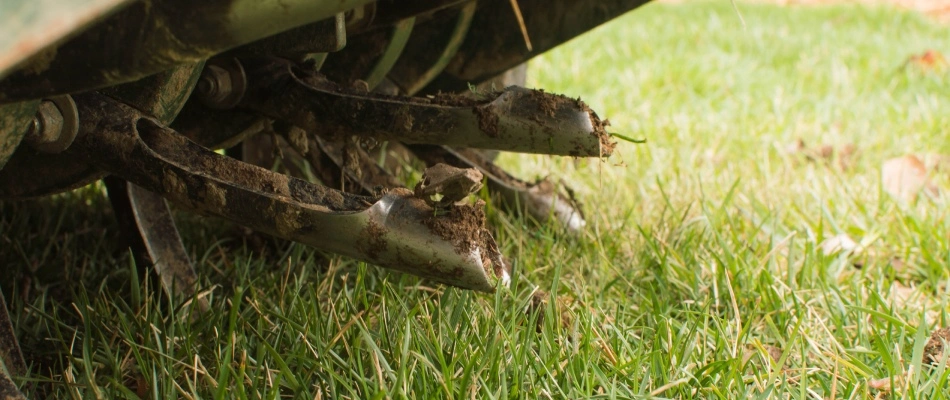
x=487, y=120
x=403, y=122
x=547, y=103
x=452, y=183
x=332, y=199
x=934, y=349
x=462, y=226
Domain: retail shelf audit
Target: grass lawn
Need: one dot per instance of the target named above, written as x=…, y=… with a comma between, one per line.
x=700, y=275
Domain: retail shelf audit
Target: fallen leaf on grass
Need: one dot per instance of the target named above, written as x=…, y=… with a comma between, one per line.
x=898, y=264
x=796, y=147
x=563, y=307
x=934, y=349
x=904, y=178
x=936, y=162
x=751, y=350
x=846, y=156
x=841, y=156
x=901, y=294
x=930, y=60
x=838, y=244
x=883, y=384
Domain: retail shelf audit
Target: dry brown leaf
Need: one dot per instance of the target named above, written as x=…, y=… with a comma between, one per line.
x=898, y=264
x=774, y=352
x=901, y=294
x=930, y=60
x=883, y=384
x=904, y=178
x=837, y=244
x=841, y=157
x=795, y=147
x=936, y=162
x=934, y=349
x=750, y=350
x=846, y=156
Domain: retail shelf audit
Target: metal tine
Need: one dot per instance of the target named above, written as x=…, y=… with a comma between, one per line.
x=146, y=219
x=515, y=119
x=395, y=230
x=541, y=199
x=339, y=162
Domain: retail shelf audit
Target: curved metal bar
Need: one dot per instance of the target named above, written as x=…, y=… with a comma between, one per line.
x=495, y=43
x=463, y=22
x=33, y=174
x=396, y=231
x=146, y=219
x=331, y=158
x=397, y=42
x=516, y=119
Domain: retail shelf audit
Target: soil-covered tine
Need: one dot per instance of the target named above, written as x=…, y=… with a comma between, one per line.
x=396, y=230
x=514, y=119
x=339, y=161
x=147, y=222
